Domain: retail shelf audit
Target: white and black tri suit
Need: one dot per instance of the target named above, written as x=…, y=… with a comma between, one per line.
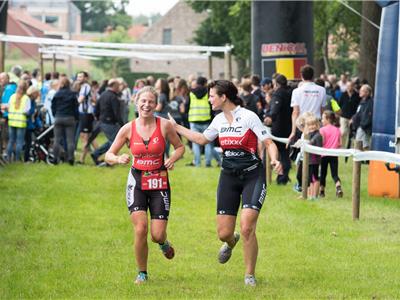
x=243, y=174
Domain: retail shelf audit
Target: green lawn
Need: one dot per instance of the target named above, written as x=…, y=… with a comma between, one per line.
x=65, y=233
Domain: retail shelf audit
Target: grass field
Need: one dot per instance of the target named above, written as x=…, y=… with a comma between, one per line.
x=65, y=233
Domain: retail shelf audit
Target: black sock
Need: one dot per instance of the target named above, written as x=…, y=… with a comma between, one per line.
x=145, y=272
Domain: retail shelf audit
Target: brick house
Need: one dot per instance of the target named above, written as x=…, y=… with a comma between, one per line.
x=177, y=27
x=58, y=14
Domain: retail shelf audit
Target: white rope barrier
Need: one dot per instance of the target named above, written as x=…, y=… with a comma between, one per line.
x=358, y=155
x=328, y=152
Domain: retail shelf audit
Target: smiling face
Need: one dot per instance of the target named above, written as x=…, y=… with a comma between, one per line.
x=146, y=104
x=216, y=101
x=311, y=126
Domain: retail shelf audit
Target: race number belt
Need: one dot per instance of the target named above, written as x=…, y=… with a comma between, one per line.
x=154, y=180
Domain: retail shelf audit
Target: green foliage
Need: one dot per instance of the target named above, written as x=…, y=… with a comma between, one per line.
x=333, y=19
x=228, y=22
x=66, y=234
x=97, y=15
x=114, y=66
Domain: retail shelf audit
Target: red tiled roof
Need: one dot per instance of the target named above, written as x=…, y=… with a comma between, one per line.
x=136, y=31
x=30, y=21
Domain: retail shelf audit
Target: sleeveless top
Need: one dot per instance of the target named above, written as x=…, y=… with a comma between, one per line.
x=147, y=155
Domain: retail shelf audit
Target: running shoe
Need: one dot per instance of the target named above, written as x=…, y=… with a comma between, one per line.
x=167, y=250
x=225, y=252
x=297, y=188
x=250, y=280
x=339, y=192
x=141, y=278
x=322, y=193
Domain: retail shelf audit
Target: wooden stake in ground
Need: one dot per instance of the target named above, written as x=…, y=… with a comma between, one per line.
x=356, y=183
x=305, y=171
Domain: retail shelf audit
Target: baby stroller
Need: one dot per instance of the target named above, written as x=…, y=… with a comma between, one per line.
x=40, y=149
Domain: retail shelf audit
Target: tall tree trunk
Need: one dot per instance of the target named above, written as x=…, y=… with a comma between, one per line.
x=319, y=65
x=369, y=41
x=242, y=67
x=325, y=50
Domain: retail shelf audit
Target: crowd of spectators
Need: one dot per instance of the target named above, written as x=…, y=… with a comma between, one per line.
x=81, y=108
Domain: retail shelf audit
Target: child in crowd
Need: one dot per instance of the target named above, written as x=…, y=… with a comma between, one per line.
x=330, y=140
x=300, y=124
x=312, y=129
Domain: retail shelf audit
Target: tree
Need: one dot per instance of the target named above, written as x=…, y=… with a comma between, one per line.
x=97, y=15
x=369, y=41
x=114, y=66
x=228, y=22
x=332, y=20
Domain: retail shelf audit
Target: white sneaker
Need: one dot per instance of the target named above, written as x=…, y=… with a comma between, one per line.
x=141, y=278
x=250, y=280
x=225, y=252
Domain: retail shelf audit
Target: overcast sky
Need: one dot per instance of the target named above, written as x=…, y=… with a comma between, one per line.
x=149, y=7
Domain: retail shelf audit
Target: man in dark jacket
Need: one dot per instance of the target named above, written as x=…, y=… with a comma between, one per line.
x=279, y=117
x=362, y=120
x=348, y=103
x=108, y=114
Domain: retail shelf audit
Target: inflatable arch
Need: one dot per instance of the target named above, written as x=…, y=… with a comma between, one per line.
x=386, y=121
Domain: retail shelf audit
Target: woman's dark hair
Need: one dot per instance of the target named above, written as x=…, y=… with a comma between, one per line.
x=281, y=80
x=182, y=86
x=103, y=86
x=164, y=87
x=330, y=116
x=227, y=88
x=65, y=83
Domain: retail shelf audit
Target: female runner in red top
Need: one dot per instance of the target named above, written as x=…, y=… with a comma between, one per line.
x=148, y=186
x=242, y=178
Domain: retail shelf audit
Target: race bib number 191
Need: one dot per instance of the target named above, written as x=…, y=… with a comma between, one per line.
x=154, y=180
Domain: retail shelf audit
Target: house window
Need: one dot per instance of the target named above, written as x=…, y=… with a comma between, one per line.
x=167, y=36
x=52, y=20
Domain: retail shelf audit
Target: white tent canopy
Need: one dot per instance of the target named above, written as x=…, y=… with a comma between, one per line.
x=143, y=47
x=94, y=50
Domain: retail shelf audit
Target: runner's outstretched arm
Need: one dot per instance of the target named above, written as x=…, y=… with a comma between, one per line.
x=195, y=137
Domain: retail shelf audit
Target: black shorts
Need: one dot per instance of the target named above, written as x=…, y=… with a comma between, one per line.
x=313, y=173
x=86, y=123
x=157, y=201
x=251, y=187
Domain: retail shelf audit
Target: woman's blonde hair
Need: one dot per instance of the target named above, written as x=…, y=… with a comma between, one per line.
x=312, y=120
x=147, y=89
x=301, y=120
x=21, y=91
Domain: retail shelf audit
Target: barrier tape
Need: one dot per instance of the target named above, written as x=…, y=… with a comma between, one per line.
x=357, y=155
